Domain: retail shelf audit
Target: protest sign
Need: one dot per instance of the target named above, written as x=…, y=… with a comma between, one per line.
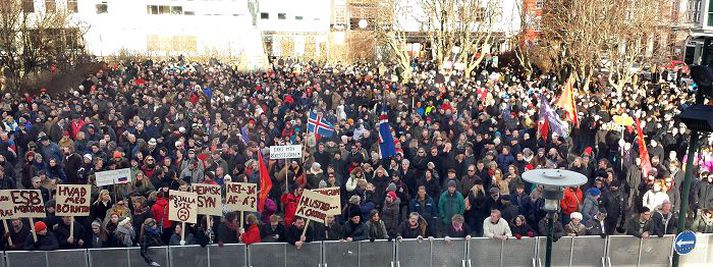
x=313, y=206
x=120, y=176
x=73, y=200
x=27, y=203
x=182, y=206
x=209, y=199
x=7, y=208
x=335, y=202
x=286, y=152
x=241, y=196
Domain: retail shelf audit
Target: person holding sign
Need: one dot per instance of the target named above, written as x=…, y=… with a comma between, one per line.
x=252, y=235
x=68, y=238
x=298, y=233
x=17, y=235
x=45, y=239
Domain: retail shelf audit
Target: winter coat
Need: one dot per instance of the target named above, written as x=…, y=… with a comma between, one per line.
x=62, y=233
x=313, y=178
x=290, y=201
x=356, y=231
x=522, y=230
x=251, y=235
x=703, y=196
x=636, y=228
x=570, y=202
x=268, y=233
x=159, y=210
x=590, y=208
x=44, y=242
x=578, y=229
x=663, y=224
x=461, y=233
x=426, y=208
x=377, y=230
x=390, y=215
x=449, y=205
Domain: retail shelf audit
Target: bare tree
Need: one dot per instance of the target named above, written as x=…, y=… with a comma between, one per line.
x=31, y=40
x=460, y=31
x=633, y=28
x=389, y=34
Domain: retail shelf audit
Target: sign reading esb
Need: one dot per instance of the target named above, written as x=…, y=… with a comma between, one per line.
x=286, y=152
x=685, y=242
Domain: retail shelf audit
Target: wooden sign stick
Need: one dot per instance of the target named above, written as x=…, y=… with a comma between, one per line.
x=7, y=230
x=34, y=234
x=71, y=227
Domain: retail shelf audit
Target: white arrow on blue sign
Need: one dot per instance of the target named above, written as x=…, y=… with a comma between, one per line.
x=685, y=242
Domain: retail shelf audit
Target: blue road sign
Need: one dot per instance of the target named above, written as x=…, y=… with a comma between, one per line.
x=685, y=242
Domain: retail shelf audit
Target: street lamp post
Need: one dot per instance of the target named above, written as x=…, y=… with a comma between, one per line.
x=553, y=182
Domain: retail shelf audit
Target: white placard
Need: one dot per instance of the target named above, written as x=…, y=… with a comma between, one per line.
x=286, y=152
x=120, y=176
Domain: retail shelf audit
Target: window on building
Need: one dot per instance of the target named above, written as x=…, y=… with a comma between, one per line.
x=539, y=3
x=282, y=16
x=710, y=14
x=28, y=6
x=102, y=8
x=176, y=10
x=164, y=10
x=480, y=14
x=152, y=10
x=72, y=6
x=189, y=13
x=50, y=6
x=299, y=17
x=264, y=15
x=694, y=11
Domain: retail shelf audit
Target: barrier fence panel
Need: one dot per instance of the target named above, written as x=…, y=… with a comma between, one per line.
x=188, y=256
x=2, y=259
x=656, y=251
x=702, y=254
x=341, y=254
x=108, y=257
x=61, y=258
x=158, y=254
x=379, y=253
x=485, y=252
x=519, y=252
x=411, y=252
x=448, y=253
x=623, y=251
x=26, y=258
x=267, y=254
x=561, y=251
x=310, y=255
x=227, y=255
x=588, y=251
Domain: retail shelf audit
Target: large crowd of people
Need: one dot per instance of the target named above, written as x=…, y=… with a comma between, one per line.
x=462, y=144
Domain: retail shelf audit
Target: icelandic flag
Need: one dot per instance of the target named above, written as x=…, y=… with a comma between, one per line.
x=319, y=125
x=386, y=140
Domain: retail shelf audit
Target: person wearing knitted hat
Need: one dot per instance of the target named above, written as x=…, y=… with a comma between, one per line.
x=124, y=234
x=100, y=237
x=150, y=236
x=575, y=227
x=45, y=239
x=590, y=205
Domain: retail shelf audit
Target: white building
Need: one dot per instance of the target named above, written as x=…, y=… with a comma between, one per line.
x=295, y=27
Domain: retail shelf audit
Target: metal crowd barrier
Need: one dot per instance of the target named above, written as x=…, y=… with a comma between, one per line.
x=567, y=251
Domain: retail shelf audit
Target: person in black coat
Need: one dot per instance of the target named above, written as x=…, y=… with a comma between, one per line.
x=330, y=230
x=354, y=229
x=228, y=231
x=273, y=231
x=45, y=239
x=294, y=236
x=520, y=228
x=67, y=240
x=663, y=220
x=72, y=162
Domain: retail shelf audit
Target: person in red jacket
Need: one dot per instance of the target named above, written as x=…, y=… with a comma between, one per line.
x=160, y=214
x=570, y=202
x=252, y=235
x=291, y=200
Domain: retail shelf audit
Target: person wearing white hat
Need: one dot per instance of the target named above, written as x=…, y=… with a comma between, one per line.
x=575, y=227
x=125, y=234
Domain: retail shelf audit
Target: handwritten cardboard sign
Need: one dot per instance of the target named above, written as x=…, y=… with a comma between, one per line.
x=7, y=208
x=27, y=203
x=209, y=199
x=73, y=200
x=241, y=196
x=182, y=206
x=333, y=193
x=313, y=206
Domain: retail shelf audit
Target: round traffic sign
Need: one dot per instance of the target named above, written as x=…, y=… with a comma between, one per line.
x=685, y=242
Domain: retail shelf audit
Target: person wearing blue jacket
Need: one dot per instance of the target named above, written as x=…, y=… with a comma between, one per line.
x=424, y=205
